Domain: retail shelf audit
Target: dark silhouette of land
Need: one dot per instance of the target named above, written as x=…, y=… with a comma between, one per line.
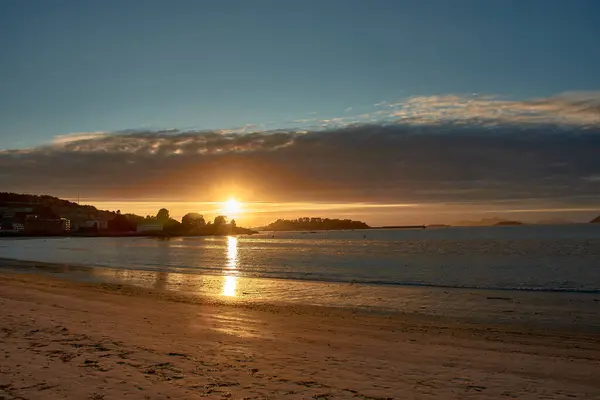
x=314, y=224
x=327, y=224
x=31, y=215
x=555, y=221
x=488, y=222
x=596, y=220
x=508, y=223
x=400, y=227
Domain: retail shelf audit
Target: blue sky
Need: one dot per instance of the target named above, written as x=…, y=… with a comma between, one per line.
x=87, y=66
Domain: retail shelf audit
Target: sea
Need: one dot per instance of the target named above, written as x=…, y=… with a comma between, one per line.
x=529, y=273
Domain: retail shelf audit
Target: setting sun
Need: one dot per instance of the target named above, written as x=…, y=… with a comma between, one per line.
x=232, y=206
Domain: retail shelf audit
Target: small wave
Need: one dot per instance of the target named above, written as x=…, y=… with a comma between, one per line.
x=316, y=277
x=484, y=287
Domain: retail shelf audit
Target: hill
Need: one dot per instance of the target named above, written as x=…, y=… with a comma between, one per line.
x=596, y=220
x=16, y=211
x=61, y=208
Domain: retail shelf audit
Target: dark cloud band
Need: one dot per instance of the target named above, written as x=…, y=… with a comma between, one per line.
x=446, y=150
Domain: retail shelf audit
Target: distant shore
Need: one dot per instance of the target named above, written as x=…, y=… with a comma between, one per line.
x=159, y=234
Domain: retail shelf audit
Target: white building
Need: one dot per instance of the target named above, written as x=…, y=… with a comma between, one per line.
x=66, y=224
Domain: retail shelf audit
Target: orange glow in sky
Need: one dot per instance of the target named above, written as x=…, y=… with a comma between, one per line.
x=254, y=214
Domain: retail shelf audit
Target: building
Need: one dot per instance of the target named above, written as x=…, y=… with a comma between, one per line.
x=66, y=224
x=31, y=219
x=11, y=227
x=44, y=226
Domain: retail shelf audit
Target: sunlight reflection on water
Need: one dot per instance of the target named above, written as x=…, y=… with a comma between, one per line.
x=230, y=281
x=229, y=286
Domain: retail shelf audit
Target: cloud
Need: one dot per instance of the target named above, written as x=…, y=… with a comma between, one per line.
x=570, y=109
x=77, y=137
x=543, y=151
x=593, y=178
x=348, y=109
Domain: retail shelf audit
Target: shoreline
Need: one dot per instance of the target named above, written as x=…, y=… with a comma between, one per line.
x=62, y=339
x=159, y=235
x=577, y=311
x=22, y=264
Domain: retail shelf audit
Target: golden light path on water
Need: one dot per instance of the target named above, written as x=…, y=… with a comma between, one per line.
x=230, y=280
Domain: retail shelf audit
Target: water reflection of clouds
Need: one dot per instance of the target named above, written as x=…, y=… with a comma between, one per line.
x=230, y=280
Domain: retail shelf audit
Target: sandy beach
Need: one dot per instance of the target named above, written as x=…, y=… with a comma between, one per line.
x=68, y=340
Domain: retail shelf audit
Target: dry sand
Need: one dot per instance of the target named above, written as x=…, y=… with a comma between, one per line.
x=65, y=340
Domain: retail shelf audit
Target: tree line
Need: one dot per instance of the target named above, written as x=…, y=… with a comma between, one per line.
x=191, y=223
x=314, y=223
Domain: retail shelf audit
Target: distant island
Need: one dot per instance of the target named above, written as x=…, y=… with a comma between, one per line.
x=314, y=224
x=488, y=222
x=555, y=221
x=399, y=227
x=508, y=223
x=502, y=222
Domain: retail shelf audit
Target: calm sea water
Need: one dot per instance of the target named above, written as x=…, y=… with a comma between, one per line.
x=543, y=258
x=535, y=275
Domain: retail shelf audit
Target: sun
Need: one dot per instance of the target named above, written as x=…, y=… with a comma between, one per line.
x=232, y=206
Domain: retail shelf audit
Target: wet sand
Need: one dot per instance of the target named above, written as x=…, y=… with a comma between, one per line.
x=70, y=340
x=570, y=311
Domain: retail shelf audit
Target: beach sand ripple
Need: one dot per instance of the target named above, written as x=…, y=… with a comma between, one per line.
x=66, y=340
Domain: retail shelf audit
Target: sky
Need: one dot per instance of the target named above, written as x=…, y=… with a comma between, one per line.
x=387, y=111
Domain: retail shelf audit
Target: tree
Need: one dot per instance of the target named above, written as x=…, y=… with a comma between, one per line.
x=220, y=221
x=219, y=226
x=134, y=219
x=163, y=215
x=193, y=220
x=233, y=224
x=314, y=223
x=121, y=224
x=172, y=226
